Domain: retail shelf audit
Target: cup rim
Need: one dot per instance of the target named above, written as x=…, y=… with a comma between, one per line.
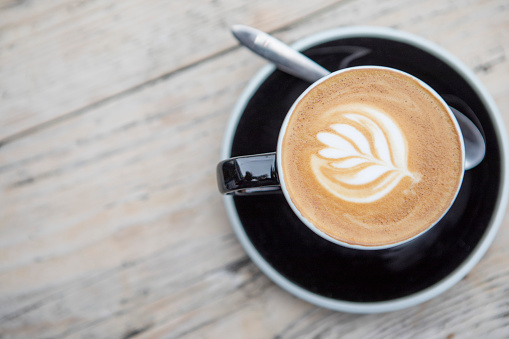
x=491, y=230
x=279, y=160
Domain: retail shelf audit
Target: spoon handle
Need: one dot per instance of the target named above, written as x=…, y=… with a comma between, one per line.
x=286, y=58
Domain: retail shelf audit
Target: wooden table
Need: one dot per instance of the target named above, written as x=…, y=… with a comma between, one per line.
x=112, y=115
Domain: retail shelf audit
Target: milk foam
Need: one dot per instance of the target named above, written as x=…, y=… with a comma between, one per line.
x=365, y=165
x=371, y=157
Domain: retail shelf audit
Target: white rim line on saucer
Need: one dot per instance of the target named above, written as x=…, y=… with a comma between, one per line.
x=477, y=253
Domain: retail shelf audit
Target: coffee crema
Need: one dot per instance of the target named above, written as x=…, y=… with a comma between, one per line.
x=371, y=157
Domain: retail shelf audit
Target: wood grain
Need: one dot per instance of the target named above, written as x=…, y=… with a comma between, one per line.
x=110, y=221
x=60, y=56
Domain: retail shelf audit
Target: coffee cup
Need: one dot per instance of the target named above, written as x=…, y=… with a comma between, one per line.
x=368, y=158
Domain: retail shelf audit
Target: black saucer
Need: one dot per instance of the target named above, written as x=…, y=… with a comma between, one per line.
x=314, y=265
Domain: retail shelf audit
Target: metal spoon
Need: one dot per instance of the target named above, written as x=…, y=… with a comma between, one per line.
x=297, y=64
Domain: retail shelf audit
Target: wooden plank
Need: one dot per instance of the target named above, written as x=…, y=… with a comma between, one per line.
x=111, y=224
x=60, y=56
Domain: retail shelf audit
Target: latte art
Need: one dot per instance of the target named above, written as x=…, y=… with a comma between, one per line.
x=371, y=156
x=366, y=157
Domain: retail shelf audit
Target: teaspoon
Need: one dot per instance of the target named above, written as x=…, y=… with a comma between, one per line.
x=297, y=64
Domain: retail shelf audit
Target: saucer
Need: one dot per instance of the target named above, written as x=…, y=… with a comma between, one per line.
x=350, y=280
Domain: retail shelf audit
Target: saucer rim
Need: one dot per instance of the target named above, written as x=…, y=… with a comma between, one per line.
x=484, y=243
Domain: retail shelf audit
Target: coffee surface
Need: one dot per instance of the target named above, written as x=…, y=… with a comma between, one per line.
x=371, y=157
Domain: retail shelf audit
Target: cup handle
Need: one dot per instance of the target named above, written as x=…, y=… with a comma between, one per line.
x=248, y=175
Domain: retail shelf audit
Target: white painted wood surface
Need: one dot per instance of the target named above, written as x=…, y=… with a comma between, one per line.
x=112, y=115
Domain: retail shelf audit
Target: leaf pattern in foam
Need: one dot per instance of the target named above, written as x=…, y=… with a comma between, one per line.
x=359, y=163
